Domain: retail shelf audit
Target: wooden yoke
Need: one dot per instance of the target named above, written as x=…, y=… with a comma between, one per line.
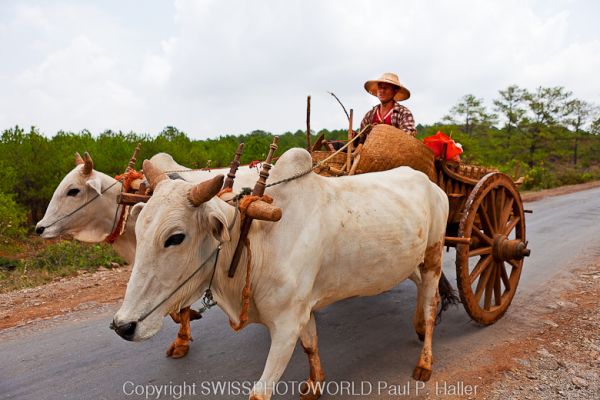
x=136, y=185
x=259, y=190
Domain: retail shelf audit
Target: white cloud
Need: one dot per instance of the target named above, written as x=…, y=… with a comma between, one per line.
x=214, y=67
x=156, y=71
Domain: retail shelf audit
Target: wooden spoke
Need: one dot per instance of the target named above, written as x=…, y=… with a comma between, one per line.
x=482, y=264
x=504, y=277
x=492, y=209
x=505, y=214
x=511, y=225
x=485, y=221
x=481, y=235
x=515, y=264
x=500, y=199
x=480, y=251
x=497, y=288
x=481, y=284
x=487, y=302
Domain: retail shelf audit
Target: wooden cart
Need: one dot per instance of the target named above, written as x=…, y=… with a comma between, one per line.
x=486, y=225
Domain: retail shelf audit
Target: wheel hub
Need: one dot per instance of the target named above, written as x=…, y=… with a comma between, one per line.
x=504, y=249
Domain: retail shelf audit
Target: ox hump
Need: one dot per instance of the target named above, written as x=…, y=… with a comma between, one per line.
x=165, y=162
x=292, y=162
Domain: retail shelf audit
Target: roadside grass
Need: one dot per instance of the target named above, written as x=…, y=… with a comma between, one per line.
x=33, y=262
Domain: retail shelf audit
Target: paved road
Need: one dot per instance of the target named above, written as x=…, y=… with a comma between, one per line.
x=368, y=341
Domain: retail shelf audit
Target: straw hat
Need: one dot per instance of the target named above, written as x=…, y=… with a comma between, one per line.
x=388, y=77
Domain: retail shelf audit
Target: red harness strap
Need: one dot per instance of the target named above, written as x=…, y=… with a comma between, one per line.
x=127, y=178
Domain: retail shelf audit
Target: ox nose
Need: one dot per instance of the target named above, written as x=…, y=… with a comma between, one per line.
x=40, y=229
x=126, y=330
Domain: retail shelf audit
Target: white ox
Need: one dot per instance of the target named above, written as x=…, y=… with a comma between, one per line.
x=94, y=222
x=68, y=214
x=338, y=238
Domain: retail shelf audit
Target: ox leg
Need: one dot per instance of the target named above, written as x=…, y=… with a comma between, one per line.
x=284, y=335
x=180, y=347
x=419, y=317
x=427, y=302
x=311, y=390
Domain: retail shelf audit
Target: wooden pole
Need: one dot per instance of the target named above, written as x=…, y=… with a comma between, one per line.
x=259, y=190
x=349, y=154
x=233, y=167
x=133, y=159
x=308, y=147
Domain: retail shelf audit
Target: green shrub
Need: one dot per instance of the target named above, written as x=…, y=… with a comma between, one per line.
x=12, y=217
x=71, y=256
x=53, y=261
x=539, y=177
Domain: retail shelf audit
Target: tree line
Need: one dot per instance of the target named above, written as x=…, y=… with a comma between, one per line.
x=545, y=135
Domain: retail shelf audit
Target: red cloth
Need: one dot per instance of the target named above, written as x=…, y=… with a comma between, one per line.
x=387, y=119
x=436, y=143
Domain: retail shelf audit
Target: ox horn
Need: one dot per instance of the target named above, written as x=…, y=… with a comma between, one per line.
x=206, y=190
x=78, y=159
x=88, y=164
x=153, y=174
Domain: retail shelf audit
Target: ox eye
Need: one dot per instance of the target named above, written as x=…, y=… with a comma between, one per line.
x=174, y=240
x=73, y=192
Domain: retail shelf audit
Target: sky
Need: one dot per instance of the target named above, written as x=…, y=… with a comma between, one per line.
x=212, y=67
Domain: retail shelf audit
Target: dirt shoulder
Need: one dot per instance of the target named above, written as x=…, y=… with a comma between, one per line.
x=63, y=296
x=538, y=195
x=550, y=350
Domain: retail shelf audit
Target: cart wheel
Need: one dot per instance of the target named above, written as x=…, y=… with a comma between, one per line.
x=488, y=269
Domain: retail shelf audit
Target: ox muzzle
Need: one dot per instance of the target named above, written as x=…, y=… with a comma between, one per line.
x=125, y=329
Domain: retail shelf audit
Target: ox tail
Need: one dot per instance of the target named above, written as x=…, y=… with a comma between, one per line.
x=448, y=296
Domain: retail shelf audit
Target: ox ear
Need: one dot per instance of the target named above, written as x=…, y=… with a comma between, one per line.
x=218, y=225
x=95, y=184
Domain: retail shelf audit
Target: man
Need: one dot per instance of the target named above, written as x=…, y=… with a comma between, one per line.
x=389, y=91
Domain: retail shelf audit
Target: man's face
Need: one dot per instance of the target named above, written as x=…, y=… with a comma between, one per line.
x=386, y=92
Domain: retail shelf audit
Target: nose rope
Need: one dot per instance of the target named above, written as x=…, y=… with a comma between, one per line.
x=217, y=251
x=207, y=299
x=82, y=206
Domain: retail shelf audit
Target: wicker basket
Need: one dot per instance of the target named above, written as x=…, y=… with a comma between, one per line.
x=336, y=161
x=387, y=147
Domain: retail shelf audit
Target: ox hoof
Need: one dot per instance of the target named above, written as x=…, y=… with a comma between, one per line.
x=421, y=336
x=308, y=390
x=421, y=374
x=178, y=350
x=194, y=315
